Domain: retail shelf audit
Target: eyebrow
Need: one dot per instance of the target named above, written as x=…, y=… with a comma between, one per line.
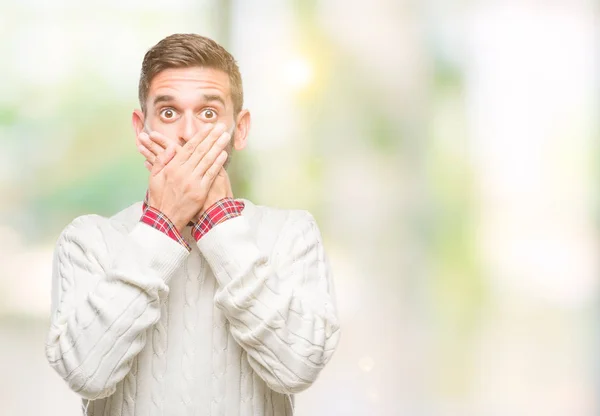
x=163, y=98
x=207, y=98
x=214, y=97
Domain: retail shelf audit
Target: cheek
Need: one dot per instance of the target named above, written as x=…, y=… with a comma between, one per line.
x=205, y=128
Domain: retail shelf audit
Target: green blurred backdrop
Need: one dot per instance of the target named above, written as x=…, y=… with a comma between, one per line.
x=447, y=149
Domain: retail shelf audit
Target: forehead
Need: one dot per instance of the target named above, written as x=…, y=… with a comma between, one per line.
x=190, y=82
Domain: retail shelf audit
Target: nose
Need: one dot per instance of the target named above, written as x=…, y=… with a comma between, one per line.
x=188, y=127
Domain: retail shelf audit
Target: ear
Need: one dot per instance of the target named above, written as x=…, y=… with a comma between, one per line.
x=242, y=128
x=137, y=119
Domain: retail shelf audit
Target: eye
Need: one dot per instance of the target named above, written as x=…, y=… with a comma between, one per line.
x=168, y=113
x=209, y=114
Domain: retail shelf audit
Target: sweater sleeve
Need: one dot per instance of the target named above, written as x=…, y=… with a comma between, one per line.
x=280, y=305
x=106, y=292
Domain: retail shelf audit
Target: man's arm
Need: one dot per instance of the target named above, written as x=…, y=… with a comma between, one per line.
x=107, y=287
x=280, y=305
x=106, y=292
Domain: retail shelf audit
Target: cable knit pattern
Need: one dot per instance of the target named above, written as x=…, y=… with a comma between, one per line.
x=130, y=390
x=141, y=326
x=194, y=279
x=246, y=386
x=159, y=359
x=219, y=361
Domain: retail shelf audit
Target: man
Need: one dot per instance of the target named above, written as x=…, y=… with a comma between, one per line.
x=191, y=302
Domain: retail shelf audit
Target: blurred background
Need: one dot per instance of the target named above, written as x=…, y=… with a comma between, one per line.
x=448, y=150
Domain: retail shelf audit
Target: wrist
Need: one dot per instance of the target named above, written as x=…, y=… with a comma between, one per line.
x=178, y=222
x=208, y=204
x=161, y=222
x=222, y=210
x=172, y=215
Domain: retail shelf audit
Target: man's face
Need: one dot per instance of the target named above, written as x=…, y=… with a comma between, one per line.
x=183, y=101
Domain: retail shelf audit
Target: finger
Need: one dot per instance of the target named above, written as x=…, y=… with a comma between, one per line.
x=159, y=139
x=213, y=153
x=163, y=159
x=156, y=167
x=152, y=146
x=203, y=133
x=150, y=157
x=213, y=171
x=223, y=175
x=198, y=145
x=168, y=154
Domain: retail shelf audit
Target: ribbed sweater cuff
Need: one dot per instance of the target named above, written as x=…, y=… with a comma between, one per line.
x=166, y=254
x=229, y=249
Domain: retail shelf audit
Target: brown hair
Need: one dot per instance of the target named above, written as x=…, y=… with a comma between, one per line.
x=187, y=50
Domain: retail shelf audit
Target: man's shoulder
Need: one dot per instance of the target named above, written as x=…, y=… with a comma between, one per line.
x=127, y=218
x=274, y=216
x=273, y=225
x=123, y=221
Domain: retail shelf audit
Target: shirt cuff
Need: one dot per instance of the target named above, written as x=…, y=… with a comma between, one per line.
x=220, y=211
x=156, y=219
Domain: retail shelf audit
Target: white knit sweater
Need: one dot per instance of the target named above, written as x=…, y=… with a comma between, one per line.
x=141, y=326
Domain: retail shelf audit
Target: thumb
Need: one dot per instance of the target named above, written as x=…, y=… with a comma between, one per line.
x=225, y=178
